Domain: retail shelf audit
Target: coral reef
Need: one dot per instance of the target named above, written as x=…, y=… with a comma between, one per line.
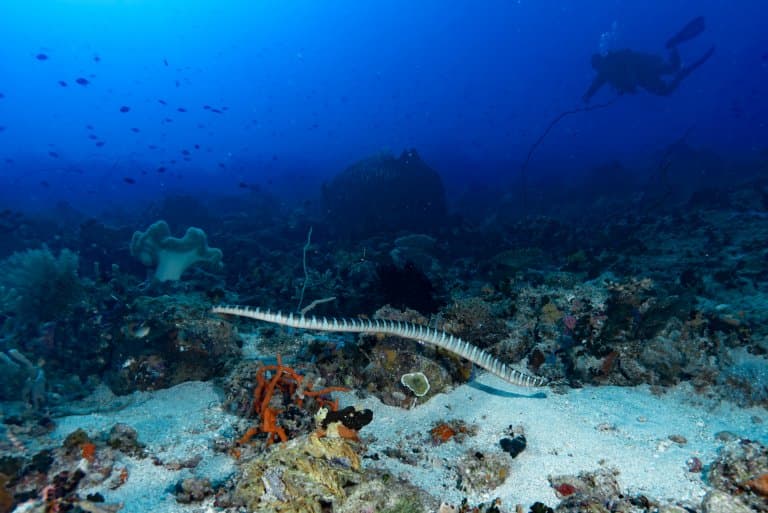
x=741, y=472
x=53, y=479
x=658, y=290
x=36, y=286
x=178, y=343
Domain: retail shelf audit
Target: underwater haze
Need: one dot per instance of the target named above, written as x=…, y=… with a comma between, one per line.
x=290, y=92
x=383, y=256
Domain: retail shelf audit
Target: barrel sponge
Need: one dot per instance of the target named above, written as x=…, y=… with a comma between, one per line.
x=171, y=255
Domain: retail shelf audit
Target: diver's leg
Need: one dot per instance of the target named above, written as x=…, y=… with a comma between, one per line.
x=664, y=88
x=692, y=29
x=674, y=63
x=684, y=72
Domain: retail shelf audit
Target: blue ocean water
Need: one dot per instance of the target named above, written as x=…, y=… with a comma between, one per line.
x=309, y=88
x=572, y=194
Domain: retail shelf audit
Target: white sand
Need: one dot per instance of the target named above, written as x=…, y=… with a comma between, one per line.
x=175, y=424
x=561, y=431
x=563, y=438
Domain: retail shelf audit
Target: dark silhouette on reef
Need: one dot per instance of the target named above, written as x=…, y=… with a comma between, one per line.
x=628, y=70
x=407, y=287
x=385, y=194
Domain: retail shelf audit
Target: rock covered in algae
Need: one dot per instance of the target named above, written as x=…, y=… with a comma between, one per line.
x=300, y=476
x=311, y=474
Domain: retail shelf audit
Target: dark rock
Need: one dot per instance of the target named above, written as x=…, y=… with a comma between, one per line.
x=350, y=417
x=513, y=446
x=407, y=287
x=124, y=438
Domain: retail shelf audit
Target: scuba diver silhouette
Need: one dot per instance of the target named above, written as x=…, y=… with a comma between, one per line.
x=627, y=70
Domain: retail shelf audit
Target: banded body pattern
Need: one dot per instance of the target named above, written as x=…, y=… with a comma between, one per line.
x=407, y=330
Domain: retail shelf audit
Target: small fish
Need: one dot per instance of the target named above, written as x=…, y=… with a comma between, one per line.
x=197, y=146
x=217, y=111
x=129, y=180
x=96, y=58
x=100, y=143
x=206, y=107
x=135, y=130
x=165, y=61
x=41, y=57
x=53, y=154
x=89, y=127
x=2, y=96
x=45, y=183
x=181, y=109
x=161, y=169
x=162, y=102
x=93, y=137
x=222, y=165
x=82, y=81
x=185, y=152
x=2, y=128
x=152, y=147
x=178, y=84
x=125, y=108
x=243, y=185
x=168, y=120
x=62, y=83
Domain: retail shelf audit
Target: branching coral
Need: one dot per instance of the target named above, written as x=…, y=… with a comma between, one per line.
x=286, y=381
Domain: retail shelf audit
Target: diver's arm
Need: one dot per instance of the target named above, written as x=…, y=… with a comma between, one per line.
x=597, y=83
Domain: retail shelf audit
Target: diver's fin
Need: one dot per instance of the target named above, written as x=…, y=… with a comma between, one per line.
x=692, y=29
x=701, y=60
x=687, y=70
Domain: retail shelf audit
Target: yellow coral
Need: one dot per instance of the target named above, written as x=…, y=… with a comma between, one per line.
x=550, y=313
x=307, y=471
